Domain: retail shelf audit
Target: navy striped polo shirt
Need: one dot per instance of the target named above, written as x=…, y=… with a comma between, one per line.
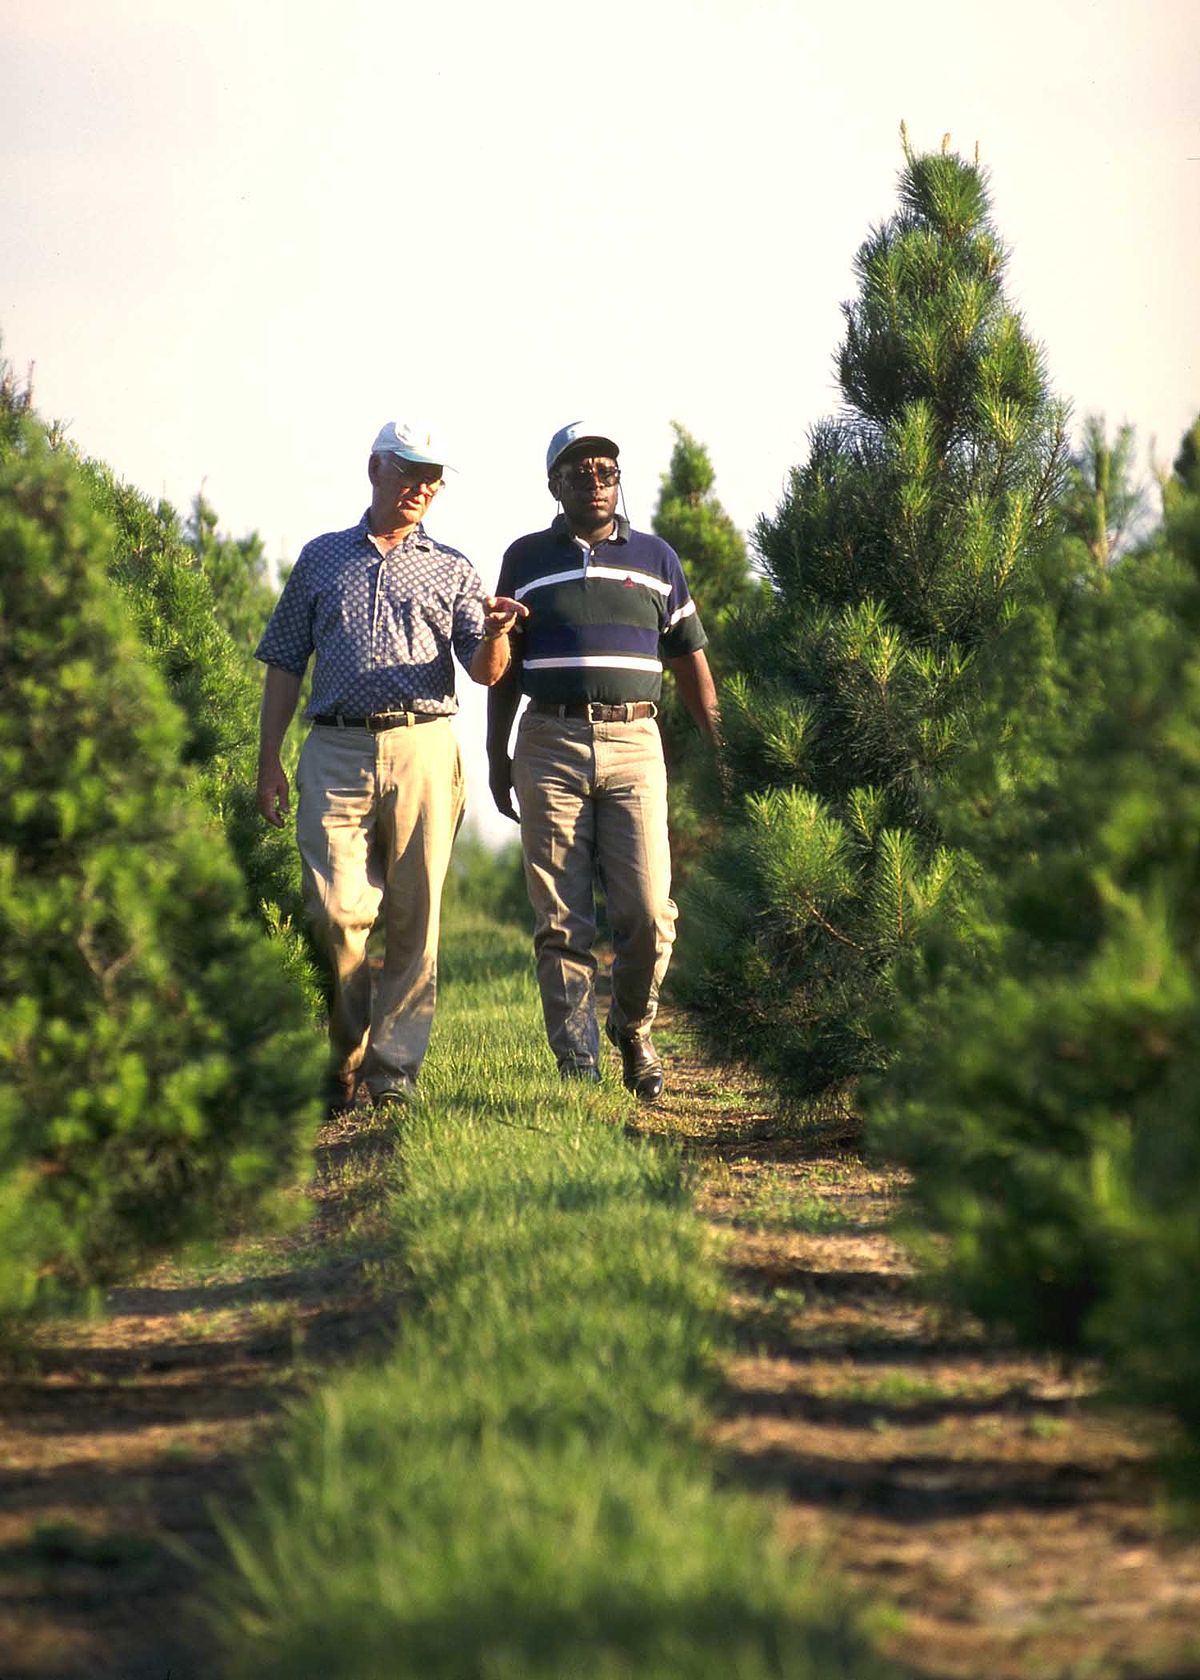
x=601, y=620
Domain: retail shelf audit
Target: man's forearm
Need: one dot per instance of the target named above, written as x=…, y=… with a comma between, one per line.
x=502, y=702
x=281, y=691
x=491, y=660
x=698, y=693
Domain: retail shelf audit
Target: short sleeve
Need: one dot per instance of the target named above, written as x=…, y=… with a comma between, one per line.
x=287, y=641
x=467, y=633
x=682, y=631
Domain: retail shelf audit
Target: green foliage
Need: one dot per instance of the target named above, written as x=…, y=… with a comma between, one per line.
x=488, y=879
x=709, y=544
x=238, y=576
x=175, y=614
x=1043, y=1081
x=1101, y=504
x=521, y=1489
x=715, y=562
x=157, y=1062
x=896, y=556
x=216, y=685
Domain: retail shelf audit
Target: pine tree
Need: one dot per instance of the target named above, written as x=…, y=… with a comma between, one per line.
x=1102, y=504
x=1043, y=1076
x=896, y=554
x=715, y=561
x=157, y=1062
x=218, y=688
x=237, y=573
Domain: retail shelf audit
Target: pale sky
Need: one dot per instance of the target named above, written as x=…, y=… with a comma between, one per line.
x=238, y=237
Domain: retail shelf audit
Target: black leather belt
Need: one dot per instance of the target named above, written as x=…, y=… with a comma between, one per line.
x=595, y=712
x=380, y=720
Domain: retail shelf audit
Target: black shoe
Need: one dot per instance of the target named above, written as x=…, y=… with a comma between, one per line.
x=341, y=1094
x=395, y=1093
x=587, y=1071
x=641, y=1070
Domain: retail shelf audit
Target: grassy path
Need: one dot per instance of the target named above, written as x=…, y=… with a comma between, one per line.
x=1008, y=1518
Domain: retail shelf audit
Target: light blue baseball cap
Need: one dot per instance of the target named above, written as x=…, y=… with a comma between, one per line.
x=578, y=431
x=411, y=441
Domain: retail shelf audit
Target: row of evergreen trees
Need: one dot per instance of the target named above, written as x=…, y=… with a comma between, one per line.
x=1041, y=1065
x=955, y=882
x=158, y=1058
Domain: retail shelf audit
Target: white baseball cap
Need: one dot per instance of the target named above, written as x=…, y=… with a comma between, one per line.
x=411, y=441
x=577, y=432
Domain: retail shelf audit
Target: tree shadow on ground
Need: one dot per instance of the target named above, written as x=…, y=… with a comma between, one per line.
x=120, y=1438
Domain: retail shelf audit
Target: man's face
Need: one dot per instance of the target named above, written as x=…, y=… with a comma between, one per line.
x=405, y=486
x=586, y=485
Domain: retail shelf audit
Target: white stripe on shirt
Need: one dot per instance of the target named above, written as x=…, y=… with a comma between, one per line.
x=580, y=661
x=617, y=573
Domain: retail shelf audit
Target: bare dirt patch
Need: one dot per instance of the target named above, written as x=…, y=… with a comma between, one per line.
x=1010, y=1517
x=121, y=1435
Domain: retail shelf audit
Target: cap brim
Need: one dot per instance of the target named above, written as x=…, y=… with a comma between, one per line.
x=610, y=448
x=417, y=458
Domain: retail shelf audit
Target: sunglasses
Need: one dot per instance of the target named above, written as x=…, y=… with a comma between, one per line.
x=582, y=473
x=416, y=472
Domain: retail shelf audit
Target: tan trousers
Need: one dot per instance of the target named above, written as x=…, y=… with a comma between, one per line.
x=593, y=799
x=376, y=822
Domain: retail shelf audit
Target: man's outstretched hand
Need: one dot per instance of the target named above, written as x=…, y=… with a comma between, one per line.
x=500, y=614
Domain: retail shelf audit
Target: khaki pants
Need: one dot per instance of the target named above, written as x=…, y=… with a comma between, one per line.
x=376, y=822
x=593, y=796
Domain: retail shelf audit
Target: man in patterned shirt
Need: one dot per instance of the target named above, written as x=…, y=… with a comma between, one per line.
x=608, y=607
x=382, y=607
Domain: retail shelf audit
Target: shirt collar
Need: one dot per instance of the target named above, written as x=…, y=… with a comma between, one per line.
x=364, y=529
x=620, y=530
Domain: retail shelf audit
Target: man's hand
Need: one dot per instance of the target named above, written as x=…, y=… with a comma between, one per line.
x=281, y=691
x=500, y=782
x=500, y=614
x=273, y=793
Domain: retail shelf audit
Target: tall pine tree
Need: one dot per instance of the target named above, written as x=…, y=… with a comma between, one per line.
x=895, y=555
x=713, y=551
x=1043, y=1076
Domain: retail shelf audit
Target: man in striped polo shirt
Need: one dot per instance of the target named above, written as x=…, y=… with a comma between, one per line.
x=608, y=607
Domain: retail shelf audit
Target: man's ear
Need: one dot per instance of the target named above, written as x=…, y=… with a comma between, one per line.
x=373, y=469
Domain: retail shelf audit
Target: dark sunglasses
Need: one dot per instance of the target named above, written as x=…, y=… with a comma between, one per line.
x=582, y=473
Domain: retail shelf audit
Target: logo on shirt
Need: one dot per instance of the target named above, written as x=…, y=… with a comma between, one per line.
x=628, y=584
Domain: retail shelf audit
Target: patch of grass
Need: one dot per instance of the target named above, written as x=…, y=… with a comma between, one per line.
x=274, y=1317
x=1043, y=1428
x=900, y=1388
x=772, y=1206
x=521, y=1491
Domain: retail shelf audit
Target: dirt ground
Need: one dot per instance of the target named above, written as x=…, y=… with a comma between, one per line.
x=1010, y=1520
x=122, y=1438
x=1009, y=1516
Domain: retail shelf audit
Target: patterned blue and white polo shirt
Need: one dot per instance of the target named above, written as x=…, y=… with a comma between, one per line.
x=382, y=629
